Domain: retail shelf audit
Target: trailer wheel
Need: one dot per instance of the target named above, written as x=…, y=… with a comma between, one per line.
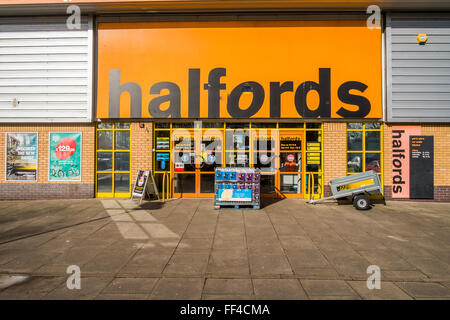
x=361, y=202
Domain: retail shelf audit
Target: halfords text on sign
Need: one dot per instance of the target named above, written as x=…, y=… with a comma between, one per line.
x=284, y=69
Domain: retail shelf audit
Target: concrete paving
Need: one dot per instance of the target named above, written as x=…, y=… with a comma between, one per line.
x=184, y=249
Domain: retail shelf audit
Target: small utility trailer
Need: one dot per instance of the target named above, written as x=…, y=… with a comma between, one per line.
x=369, y=185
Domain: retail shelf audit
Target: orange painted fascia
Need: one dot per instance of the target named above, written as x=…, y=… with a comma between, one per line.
x=202, y=3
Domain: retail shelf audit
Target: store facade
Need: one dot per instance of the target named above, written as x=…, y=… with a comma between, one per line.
x=47, y=134
x=304, y=97
x=266, y=107
x=417, y=106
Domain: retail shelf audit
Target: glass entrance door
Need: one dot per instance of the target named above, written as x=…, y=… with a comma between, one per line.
x=291, y=164
x=288, y=154
x=265, y=150
x=211, y=156
x=183, y=164
x=195, y=154
x=279, y=155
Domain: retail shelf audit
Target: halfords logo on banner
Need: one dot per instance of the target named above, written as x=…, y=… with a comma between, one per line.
x=401, y=159
x=309, y=69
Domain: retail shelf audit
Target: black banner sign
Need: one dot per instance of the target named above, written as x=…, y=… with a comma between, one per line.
x=421, y=167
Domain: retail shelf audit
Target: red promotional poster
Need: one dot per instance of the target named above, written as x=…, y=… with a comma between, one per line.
x=65, y=148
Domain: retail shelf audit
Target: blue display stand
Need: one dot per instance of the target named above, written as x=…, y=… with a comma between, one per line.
x=237, y=187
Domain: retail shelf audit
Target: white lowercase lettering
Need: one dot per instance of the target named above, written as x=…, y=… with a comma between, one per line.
x=374, y=20
x=74, y=20
x=74, y=280
x=374, y=280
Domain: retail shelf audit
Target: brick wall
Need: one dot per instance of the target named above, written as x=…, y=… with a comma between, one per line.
x=141, y=148
x=142, y=158
x=387, y=159
x=441, y=134
x=334, y=148
x=44, y=189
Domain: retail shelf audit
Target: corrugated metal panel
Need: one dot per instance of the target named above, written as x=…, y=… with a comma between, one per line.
x=418, y=76
x=47, y=68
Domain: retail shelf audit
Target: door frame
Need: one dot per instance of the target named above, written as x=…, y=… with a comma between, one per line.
x=173, y=135
x=113, y=151
x=274, y=135
x=197, y=136
x=201, y=157
x=304, y=128
x=301, y=134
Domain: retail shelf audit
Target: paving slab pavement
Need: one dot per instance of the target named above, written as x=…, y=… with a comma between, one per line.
x=388, y=291
x=278, y=289
x=327, y=288
x=185, y=249
x=178, y=289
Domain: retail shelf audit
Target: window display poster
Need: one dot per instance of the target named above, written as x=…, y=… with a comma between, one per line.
x=290, y=143
x=162, y=143
x=179, y=166
x=21, y=156
x=65, y=156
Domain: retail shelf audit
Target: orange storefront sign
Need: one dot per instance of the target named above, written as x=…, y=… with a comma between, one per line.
x=248, y=69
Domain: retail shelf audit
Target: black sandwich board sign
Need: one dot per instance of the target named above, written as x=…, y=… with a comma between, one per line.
x=421, y=167
x=144, y=185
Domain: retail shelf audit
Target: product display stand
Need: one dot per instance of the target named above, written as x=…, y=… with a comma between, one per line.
x=237, y=187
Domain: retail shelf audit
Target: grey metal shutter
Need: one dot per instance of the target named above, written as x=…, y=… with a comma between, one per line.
x=418, y=76
x=47, y=69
